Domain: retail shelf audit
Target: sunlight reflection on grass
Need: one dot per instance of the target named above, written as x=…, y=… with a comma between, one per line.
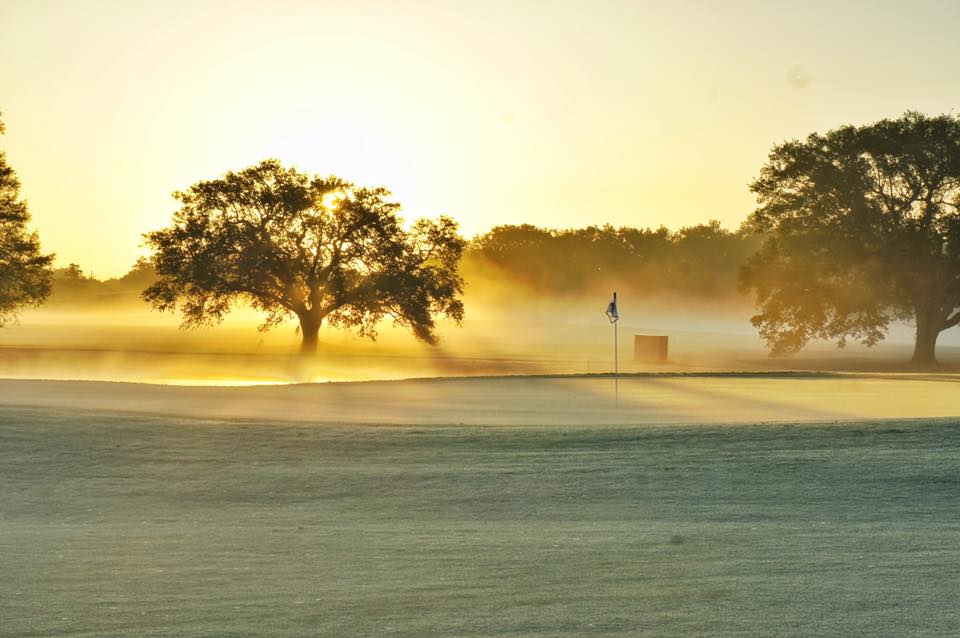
x=219, y=382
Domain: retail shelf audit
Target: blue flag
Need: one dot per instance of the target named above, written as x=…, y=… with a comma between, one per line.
x=612, y=314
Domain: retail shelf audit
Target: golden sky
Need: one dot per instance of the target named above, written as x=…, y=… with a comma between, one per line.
x=550, y=112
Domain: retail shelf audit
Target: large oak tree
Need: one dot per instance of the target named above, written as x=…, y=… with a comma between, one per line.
x=317, y=248
x=862, y=227
x=25, y=272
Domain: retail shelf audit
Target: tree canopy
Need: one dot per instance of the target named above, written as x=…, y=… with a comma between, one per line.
x=318, y=248
x=24, y=269
x=862, y=227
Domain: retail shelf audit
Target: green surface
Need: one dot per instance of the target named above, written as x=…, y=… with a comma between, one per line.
x=149, y=526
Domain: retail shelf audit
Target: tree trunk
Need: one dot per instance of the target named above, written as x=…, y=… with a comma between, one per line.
x=925, y=345
x=310, y=334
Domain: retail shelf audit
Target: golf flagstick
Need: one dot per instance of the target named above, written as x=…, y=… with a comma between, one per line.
x=613, y=314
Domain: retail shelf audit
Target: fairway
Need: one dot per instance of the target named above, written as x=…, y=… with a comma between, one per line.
x=150, y=525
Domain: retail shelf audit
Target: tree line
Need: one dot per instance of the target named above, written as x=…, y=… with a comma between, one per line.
x=855, y=228
x=696, y=263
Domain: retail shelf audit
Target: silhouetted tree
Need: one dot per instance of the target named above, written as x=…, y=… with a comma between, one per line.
x=862, y=227
x=318, y=248
x=24, y=270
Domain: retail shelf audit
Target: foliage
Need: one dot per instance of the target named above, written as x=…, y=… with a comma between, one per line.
x=862, y=226
x=72, y=287
x=319, y=248
x=24, y=270
x=698, y=262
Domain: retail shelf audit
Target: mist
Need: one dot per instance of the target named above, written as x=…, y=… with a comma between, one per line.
x=533, y=301
x=519, y=321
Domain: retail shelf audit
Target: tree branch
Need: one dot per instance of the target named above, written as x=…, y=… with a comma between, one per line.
x=951, y=321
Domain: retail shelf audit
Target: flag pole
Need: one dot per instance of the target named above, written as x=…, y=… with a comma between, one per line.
x=614, y=315
x=616, y=363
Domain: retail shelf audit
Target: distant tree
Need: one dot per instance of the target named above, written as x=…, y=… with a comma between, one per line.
x=706, y=259
x=318, y=248
x=141, y=275
x=519, y=250
x=862, y=227
x=70, y=284
x=24, y=270
x=72, y=288
x=72, y=272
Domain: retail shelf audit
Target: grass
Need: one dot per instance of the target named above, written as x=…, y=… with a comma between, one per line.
x=153, y=526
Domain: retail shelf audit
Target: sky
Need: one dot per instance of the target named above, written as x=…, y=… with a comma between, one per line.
x=555, y=113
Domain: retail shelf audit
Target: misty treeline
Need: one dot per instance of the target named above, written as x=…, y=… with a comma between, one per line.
x=73, y=287
x=698, y=263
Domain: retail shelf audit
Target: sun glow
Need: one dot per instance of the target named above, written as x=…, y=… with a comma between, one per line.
x=332, y=200
x=629, y=113
x=217, y=382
